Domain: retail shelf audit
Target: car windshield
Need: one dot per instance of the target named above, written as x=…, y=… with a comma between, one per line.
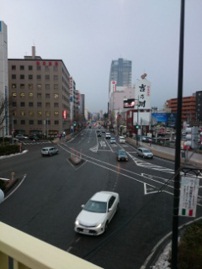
x=96, y=206
x=146, y=151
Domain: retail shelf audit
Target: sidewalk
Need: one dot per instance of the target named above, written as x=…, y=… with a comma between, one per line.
x=187, y=157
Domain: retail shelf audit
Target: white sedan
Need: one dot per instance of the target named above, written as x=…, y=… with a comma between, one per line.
x=49, y=151
x=97, y=213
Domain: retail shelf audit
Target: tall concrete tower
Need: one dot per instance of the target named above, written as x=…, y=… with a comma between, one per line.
x=4, y=111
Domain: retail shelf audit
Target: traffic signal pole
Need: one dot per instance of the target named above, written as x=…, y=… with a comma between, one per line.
x=174, y=261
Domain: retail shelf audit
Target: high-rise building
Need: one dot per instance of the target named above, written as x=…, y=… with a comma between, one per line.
x=39, y=92
x=121, y=72
x=4, y=104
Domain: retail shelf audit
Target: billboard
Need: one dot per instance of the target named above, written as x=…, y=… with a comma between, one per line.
x=168, y=119
x=141, y=118
x=129, y=103
x=143, y=94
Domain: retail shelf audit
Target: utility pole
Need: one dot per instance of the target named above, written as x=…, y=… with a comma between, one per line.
x=178, y=146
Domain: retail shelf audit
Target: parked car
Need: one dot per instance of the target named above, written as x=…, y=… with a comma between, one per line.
x=122, y=139
x=49, y=151
x=21, y=137
x=97, y=213
x=107, y=135
x=144, y=153
x=112, y=140
x=122, y=155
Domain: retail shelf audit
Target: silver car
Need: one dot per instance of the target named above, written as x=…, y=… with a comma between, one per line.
x=144, y=153
x=97, y=213
x=49, y=151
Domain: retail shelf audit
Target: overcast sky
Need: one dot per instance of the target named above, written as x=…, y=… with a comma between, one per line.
x=88, y=34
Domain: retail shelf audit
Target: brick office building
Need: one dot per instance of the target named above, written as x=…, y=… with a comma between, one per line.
x=188, y=108
x=39, y=95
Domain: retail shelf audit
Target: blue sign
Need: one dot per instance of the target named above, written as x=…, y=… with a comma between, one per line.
x=168, y=119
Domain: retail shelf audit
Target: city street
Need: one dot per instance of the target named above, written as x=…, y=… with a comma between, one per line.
x=54, y=188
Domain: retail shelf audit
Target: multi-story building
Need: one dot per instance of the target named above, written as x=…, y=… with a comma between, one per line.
x=39, y=93
x=121, y=72
x=4, y=104
x=188, y=107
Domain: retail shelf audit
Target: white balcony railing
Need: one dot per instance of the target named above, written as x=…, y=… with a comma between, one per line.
x=19, y=250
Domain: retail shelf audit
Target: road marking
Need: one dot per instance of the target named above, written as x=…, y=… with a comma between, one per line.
x=149, y=189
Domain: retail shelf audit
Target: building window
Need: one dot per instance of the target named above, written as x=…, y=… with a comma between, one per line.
x=22, y=104
x=47, y=104
x=13, y=76
x=22, y=86
x=31, y=104
x=38, y=77
x=22, y=122
x=38, y=67
x=56, y=105
x=22, y=113
x=47, y=95
x=47, y=86
x=38, y=86
x=56, y=96
x=13, y=86
x=55, y=68
x=39, y=122
x=31, y=94
x=47, y=114
x=56, y=122
x=39, y=104
x=31, y=113
x=30, y=76
x=22, y=94
x=13, y=67
x=14, y=104
x=55, y=77
x=39, y=95
x=39, y=113
x=47, y=77
x=55, y=86
x=22, y=67
x=46, y=68
x=31, y=122
x=14, y=94
x=22, y=76
x=56, y=113
x=30, y=67
x=30, y=86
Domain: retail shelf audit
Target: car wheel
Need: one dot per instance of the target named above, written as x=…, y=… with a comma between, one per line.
x=106, y=226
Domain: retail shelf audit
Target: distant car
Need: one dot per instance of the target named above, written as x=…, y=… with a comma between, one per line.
x=144, y=153
x=33, y=137
x=97, y=213
x=122, y=155
x=122, y=139
x=49, y=151
x=21, y=137
x=146, y=139
x=107, y=135
x=112, y=140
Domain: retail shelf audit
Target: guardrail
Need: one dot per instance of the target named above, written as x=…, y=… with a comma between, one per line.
x=19, y=250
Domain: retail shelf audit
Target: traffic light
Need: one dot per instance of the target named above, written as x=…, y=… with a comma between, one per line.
x=137, y=126
x=192, y=137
